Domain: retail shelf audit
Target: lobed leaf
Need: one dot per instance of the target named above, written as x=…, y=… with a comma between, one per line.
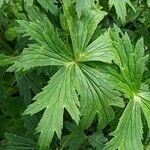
x=131, y=60
x=58, y=95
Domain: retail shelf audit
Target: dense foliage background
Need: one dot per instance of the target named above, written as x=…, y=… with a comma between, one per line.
x=22, y=81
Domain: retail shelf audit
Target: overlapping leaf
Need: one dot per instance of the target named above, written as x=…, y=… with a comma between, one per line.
x=128, y=134
x=131, y=62
x=96, y=94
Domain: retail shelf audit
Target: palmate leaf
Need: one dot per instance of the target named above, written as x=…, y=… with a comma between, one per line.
x=129, y=132
x=61, y=92
x=131, y=62
x=35, y=56
x=58, y=95
x=120, y=6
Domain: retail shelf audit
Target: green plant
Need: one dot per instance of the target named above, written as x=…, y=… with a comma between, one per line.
x=99, y=75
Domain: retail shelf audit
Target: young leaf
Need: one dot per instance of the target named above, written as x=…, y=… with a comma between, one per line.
x=58, y=95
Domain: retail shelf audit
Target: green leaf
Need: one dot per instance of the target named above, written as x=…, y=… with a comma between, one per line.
x=128, y=78
x=99, y=50
x=49, y=5
x=97, y=97
x=144, y=100
x=24, y=88
x=81, y=5
x=35, y=56
x=129, y=131
x=58, y=95
x=120, y=7
x=97, y=140
x=131, y=61
x=15, y=142
x=75, y=139
x=29, y=2
x=1, y=3
x=7, y=60
x=34, y=14
x=49, y=49
x=128, y=134
x=148, y=3
x=81, y=29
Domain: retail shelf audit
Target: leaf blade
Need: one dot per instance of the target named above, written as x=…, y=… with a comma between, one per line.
x=56, y=96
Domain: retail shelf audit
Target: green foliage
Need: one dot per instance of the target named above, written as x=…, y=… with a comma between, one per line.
x=120, y=7
x=86, y=71
x=14, y=142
